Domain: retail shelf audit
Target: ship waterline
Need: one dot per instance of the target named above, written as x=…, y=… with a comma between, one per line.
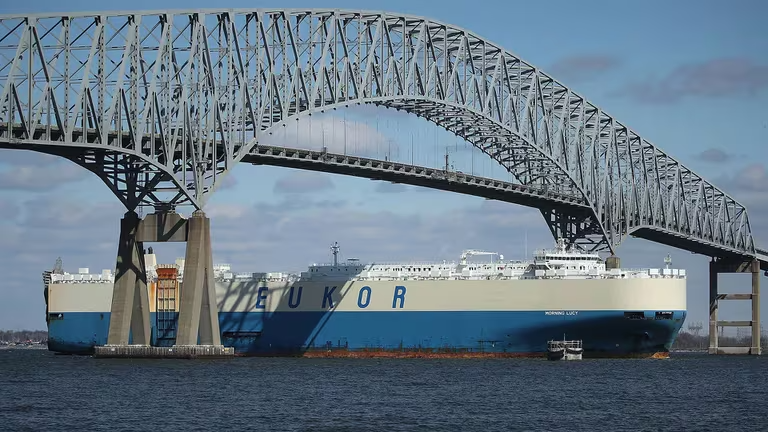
x=350, y=310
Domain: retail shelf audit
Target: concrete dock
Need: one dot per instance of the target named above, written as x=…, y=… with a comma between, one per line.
x=175, y=352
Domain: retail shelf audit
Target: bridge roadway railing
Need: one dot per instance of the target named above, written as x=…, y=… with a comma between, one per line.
x=398, y=172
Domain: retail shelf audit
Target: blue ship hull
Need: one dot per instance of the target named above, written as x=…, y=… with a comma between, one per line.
x=401, y=333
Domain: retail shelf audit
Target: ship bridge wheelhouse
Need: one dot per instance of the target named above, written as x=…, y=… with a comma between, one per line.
x=564, y=258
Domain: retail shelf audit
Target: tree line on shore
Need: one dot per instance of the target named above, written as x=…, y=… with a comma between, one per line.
x=23, y=335
x=689, y=341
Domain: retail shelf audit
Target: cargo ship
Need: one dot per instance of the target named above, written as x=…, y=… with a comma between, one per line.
x=490, y=307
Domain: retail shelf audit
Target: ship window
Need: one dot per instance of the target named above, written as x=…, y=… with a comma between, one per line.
x=634, y=315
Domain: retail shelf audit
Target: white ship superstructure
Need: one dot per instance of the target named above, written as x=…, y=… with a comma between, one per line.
x=558, y=263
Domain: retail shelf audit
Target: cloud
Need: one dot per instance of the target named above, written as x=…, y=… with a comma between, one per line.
x=334, y=131
x=714, y=155
x=752, y=178
x=9, y=211
x=46, y=212
x=35, y=178
x=303, y=182
x=297, y=231
x=749, y=186
x=228, y=182
x=714, y=78
x=29, y=171
x=49, y=226
x=26, y=157
x=583, y=67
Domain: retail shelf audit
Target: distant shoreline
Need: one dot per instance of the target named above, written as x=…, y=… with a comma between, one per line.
x=10, y=347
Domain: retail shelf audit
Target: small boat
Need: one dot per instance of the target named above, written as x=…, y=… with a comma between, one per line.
x=564, y=349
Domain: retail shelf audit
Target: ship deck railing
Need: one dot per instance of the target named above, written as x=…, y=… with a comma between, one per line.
x=564, y=344
x=453, y=263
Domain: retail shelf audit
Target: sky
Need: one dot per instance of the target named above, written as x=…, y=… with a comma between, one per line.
x=689, y=76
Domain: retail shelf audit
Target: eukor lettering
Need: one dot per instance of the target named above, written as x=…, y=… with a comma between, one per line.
x=328, y=297
x=291, y=303
x=364, y=297
x=399, y=295
x=261, y=297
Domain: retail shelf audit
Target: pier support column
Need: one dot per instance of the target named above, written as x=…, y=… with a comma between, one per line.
x=198, y=317
x=755, y=349
x=713, y=274
x=129, y=314
x=734, y=266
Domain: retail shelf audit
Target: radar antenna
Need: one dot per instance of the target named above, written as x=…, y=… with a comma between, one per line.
x=335, y=251
x=58, y=268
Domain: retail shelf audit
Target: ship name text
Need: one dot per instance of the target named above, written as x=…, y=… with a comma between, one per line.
x=564, y=313
x=331, y=297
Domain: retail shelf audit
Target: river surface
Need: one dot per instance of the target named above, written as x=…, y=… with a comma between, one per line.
x=43, y=391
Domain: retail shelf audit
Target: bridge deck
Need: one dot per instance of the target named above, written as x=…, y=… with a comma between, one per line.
x=397, y=172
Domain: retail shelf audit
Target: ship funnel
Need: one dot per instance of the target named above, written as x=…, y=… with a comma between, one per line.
x=150, y=260
x=612, y=262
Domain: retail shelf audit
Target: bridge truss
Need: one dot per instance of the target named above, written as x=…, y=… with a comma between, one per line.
x=160, y=105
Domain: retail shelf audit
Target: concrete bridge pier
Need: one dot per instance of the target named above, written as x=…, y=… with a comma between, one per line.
x=198, y=315
x=130, y=299
x=716, y=267
x=198, y=333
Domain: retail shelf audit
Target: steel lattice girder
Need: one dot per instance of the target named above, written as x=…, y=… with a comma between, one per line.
x=189, y=93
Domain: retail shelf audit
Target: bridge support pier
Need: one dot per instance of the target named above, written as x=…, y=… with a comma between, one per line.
x=130, y=300
x=198, y=333
x=198, y=317
x=716, y=267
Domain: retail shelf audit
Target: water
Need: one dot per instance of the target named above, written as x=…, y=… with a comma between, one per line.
x=40, y=390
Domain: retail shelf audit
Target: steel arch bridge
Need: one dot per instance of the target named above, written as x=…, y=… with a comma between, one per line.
x=160, y=105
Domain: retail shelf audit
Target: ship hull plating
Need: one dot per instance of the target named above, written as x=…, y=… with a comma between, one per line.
x=384, y=334
x=626, y=318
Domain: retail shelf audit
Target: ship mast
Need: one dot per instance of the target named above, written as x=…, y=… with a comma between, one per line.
x=58, y=268
x=335, y=251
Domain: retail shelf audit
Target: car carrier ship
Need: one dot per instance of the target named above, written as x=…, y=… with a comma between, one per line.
x=492, y=308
